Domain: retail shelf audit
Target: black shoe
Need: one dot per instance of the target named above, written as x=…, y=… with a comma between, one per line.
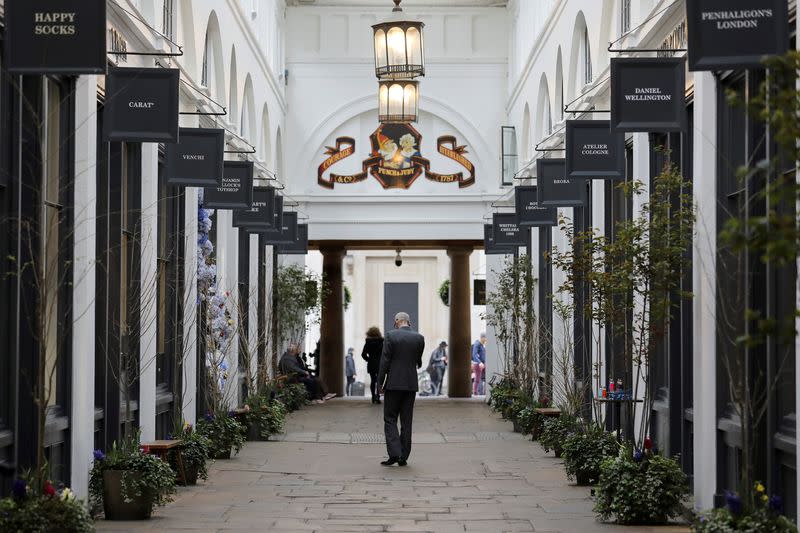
x=377, y=401
x=390, y=461
x=402, y=462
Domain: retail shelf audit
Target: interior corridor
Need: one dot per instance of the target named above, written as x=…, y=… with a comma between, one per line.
x=467, y=472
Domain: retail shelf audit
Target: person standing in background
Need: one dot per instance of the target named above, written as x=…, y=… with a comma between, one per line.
x=436, y=367
x=478, y=364
x=373, y=347
x=349, y=371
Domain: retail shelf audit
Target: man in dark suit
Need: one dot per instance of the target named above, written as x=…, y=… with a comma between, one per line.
x=401, y=357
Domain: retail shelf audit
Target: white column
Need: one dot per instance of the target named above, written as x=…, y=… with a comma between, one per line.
x=705, y=298
x=83, y=291
x=189, y=348
x=641, y=172
x=148, y=304
x=596, y=333
x=227, y=249
x=563, y=355
x=494, y=265
x=252, y=320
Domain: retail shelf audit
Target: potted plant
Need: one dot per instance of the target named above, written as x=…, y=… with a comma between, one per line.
x=585, y=451
x=766, y=515
x=128, y=481
x=444, y=292
x=45, y=509
x=293, y=396
x=641, y=487
x=194, y=454
x=266, y=417
x=555, y=431
x=224, y=432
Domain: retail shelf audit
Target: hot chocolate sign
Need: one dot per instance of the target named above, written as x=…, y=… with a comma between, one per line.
x=395, y=160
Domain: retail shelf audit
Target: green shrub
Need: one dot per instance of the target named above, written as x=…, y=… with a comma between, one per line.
x=267, y=415
x=585, y=451
x=224, y=433
x=43, y=511
x=501, y=394
x=640, y=487
x=293, y=396
x=765, y=516
x=195, y=449
x=556, y=430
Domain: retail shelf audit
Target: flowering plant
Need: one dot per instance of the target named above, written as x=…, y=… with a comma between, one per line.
x=43, y=509
x=585, y=451
x=292, y=395
x=765, y=516
x=194, y=450
x=555, y=431
x=224, y=433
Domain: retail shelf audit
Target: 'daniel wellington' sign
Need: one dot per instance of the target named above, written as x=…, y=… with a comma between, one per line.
x=395, y=159
x=728, y=34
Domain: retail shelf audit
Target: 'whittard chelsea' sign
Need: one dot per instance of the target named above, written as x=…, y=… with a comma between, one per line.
x=529, y=211
x=55, y=37
x=729, y=34
x=300, y=244
x=594, y=151
x=507, y=231
x=260, y=215
x=490, y=247
x=141, y=105
x=197, y=158
x=236, y=191
x=647, y=94
x=555, y=188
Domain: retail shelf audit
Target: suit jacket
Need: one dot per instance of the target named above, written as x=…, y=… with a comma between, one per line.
x=373, y=348
x=401, y=357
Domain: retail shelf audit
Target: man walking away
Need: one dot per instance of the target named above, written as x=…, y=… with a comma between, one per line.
x=349, y=371
x=436, y=367
x=478, y=364
x=401, y=357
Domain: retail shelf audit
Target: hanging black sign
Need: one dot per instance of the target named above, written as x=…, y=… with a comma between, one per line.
x=490, y=247
x=197, y=159
x=300, y=244
x=593, y=151
x=278, y=212
x=730, y=34
x=507, y=231
x=49, y=37
x=529, y=211
x=261, y=212
x=286, y=235
x=236, y=191
x=555, y=189
x=647, y=94
x=141, y=105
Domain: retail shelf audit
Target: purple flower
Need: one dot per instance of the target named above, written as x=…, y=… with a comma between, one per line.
x=169, y=436
x=637, y=456
x=776, y=503
x=209, y=417
x=733, y=502
x=99, y=455
x=231, y=413
x=19, y=489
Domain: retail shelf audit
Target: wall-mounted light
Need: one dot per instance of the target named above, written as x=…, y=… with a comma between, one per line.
x=398, y=261
x=398, y=101
x=399, y=53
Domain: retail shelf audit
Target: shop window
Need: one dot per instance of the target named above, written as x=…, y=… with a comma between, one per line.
x=508, y=136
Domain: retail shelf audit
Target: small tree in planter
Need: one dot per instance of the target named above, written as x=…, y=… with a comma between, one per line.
x=266, y=417
x=225, y=434
x=52, y=509
x=195, y=448
x=585, y=451
x=555, y=432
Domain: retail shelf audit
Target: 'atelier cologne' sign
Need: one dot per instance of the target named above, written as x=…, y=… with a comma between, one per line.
x=197, y=159
x=141, y=105
x=300, y=244
x=260, y=215
x=647, y=94
x=236, y=191
x=555, y=189
x=529, y=211
x=49, y=37
x=593, y=151
x=729, y=34
x=507, y=231
x=489, y=246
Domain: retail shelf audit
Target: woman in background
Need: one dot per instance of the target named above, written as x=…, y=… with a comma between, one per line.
x=373, y=347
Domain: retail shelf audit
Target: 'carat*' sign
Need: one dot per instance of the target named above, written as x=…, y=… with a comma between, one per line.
x=529, y=211
x=729, y=34
x=197, y=159
x=555, y=188
x=594, y=151
x=260, y=215
x=141, y=105
x=55, y=37
x=507, y=231
x=300, y=244
x=236, y=191
x=647, y=94
x=490, y=247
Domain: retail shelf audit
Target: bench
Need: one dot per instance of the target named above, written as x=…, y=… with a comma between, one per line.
x=161, y=449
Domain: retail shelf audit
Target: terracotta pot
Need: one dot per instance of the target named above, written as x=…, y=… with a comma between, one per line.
x=114, y=505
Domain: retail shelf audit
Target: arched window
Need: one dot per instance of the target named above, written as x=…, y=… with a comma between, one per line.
x=208, y=55
x=587, y=57
x=624, y=16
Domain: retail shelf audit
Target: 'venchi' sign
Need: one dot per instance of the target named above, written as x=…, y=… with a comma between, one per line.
x=728, y=34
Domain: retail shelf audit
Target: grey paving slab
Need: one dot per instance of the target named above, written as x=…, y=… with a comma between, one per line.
x=467, y=472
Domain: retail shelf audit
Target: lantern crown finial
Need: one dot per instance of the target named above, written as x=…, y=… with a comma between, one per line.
x=397, y=5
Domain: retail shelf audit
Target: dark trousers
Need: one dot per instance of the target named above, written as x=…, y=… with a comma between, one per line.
x=373, y=385
x=349, y=388
x=314, y=388
x=398, y=403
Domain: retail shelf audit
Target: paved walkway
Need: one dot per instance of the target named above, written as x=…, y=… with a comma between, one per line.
x=467, y=472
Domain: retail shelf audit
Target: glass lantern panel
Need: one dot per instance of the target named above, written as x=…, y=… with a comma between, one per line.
x=410, y=102
x=396, y=40
x=396, y=100
x=383, y=100
x=380, y=48
x=414, y=46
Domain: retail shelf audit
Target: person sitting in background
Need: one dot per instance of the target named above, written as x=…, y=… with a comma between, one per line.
x=290, y=365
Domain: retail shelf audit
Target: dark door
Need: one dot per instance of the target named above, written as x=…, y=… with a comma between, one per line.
x=399, y=297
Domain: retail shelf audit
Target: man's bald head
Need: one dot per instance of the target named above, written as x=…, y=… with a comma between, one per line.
x=402, y=319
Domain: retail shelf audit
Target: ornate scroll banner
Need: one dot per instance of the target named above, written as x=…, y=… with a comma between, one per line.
x=395, y=160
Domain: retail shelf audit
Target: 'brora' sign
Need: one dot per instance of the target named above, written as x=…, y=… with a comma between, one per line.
x=729, y=34
x=555, y=188
x=647, y=94
x=55, y=37
x=594, y=151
